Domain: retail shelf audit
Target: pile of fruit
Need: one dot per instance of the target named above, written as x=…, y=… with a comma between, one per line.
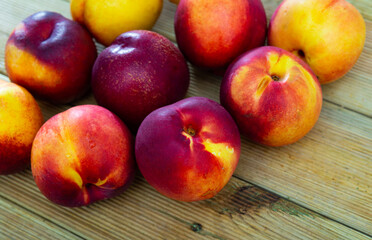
x=187, y=149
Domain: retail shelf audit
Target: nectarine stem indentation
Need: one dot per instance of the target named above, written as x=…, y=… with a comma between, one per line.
x=190, y=131
x=301, y=54
x=275, y=78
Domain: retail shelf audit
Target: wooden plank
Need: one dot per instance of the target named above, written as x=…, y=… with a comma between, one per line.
x=18, y=223
x=328, y=171
x=240, y=211
x=364, y=6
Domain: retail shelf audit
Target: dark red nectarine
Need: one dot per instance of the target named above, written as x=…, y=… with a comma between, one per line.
x=51, y=56
x=188, y=150
x=140, y=72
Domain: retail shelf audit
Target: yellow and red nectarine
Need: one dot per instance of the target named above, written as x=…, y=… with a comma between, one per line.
x=273, y=96
x=106, y=20
x=51, y=56
x=20, y=119
x=189, y=150
x=82, y=155
x=328, y=35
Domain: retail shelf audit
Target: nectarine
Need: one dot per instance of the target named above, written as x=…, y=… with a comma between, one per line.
x=106, y=20
x=188, y=150
x=274, y=96
x=51, y=56
x=20, y=119
x=140, y=72
x=82, y=155
x=327, y=34
x=212, y=33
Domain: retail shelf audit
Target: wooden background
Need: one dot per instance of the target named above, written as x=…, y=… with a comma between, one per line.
x=317, y=188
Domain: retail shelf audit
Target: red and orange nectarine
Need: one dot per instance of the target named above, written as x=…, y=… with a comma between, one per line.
x=274, y=96
x=212, y=33
x=188, y=150
x=20, y=119
x=51, y=56
x=82, y=155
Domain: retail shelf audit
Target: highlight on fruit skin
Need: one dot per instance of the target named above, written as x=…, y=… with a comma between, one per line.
x=328, y=35
x=106, y=20
x=20, y=119
x=188, y=150
x=274, y=96
x=83, y=155
x=51, y=56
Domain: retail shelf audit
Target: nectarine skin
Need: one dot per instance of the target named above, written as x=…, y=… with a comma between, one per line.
x=212, y=33
x=82, y=155
x=106, y=20
x=274, y=96
x=140, y=72
x=188, y=150
x=328, y=35
x=20, y=119
x=51, y=56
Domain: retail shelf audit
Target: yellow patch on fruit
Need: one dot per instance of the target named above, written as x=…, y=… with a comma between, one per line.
x=69, y=160
x=221, y=150
x=20, y=115
x=100, y=182
x=106, y=20
x=262, y=86
x=284, y=67
x=279, y=65
x=23, y=65
x=77, y=10
x=74, y=176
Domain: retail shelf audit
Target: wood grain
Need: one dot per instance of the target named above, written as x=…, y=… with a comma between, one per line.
x=18, y=223
x=329, y=171
x=240, y=211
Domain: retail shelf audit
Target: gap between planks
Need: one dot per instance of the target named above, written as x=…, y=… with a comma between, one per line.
x=242, y=209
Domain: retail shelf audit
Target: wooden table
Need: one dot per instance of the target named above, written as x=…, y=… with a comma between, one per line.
x=317, y=188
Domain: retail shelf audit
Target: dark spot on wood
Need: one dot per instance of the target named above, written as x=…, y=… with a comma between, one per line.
x=242, y=200
x=196, y=227
x=250, y=199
